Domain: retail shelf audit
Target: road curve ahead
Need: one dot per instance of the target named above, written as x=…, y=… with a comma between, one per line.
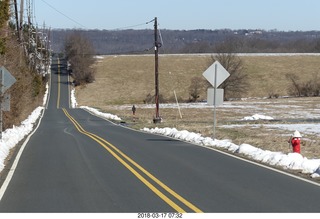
x=77, y=162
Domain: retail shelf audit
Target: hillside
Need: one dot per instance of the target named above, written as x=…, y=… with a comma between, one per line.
x=27, y=92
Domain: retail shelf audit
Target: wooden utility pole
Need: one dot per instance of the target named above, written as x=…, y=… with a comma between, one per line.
x=17, y=19
x=157, y=118
x=21, y=21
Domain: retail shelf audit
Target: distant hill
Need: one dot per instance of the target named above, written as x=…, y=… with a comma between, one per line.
x=193, y=41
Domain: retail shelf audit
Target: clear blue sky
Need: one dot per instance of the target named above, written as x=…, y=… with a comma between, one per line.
x=283, y=15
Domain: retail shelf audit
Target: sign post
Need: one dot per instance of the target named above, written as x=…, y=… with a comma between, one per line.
x=215, y=100
x=6, y=81
x=216, y=74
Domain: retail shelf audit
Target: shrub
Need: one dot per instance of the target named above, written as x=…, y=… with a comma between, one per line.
x=310, y=88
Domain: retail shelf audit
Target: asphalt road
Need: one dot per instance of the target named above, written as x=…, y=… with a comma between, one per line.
x=77, y=162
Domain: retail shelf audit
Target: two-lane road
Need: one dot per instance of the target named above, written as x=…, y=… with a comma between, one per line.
x=77, y=162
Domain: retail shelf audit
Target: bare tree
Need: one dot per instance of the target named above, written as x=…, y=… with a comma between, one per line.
x=198, y=84
x=295, y=88
x=237, y=83
x=79, y=53
x=307, y=89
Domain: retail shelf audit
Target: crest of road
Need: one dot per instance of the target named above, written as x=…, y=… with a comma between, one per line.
x=78, y=162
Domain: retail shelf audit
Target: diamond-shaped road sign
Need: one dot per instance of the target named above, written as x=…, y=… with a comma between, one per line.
x=222, y=74
x=6, y=79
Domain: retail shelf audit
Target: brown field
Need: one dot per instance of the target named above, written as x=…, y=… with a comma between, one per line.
x=125, y=80
x=129, y=79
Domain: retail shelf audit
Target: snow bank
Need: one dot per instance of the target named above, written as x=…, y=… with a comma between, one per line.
x=74, y=103
x=104, y=115
x=292, y=161
x=11, y=137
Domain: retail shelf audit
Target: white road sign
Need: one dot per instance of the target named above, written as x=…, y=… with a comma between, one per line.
x=222, y=74
x=210, y=97
x=6, y=79
x=5, y=106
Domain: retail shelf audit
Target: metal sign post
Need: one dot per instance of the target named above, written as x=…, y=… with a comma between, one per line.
x=215, y=101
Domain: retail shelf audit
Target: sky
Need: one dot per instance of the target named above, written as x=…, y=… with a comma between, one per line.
x=283, y=15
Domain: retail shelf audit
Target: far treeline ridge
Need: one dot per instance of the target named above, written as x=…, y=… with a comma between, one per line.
x=106, y=42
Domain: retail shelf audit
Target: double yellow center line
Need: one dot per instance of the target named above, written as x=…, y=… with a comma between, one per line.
x=130, y=165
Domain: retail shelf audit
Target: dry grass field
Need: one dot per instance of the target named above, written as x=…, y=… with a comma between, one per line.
x=129, y=79
x=122, y=81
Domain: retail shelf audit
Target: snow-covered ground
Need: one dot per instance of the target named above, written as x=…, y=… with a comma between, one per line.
x=294, y=161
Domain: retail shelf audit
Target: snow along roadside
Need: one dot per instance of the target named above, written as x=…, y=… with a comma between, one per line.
x=287, y=161
x=11, y=137
x=292, y=161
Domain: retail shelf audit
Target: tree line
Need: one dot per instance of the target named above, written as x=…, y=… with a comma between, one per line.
x=194, y=41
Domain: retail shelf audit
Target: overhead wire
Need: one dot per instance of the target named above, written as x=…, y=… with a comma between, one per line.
x=136, y=25
x=64, y=14
x=138, y=51
x=120, y=28
x=132, y=52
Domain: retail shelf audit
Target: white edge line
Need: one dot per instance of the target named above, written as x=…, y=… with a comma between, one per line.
x=237, y=157
x=16, y=161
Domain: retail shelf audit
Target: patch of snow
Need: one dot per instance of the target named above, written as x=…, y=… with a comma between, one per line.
x=257, y=117
x=74, y=103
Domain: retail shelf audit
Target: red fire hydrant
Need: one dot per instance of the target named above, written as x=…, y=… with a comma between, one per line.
x=295, y=142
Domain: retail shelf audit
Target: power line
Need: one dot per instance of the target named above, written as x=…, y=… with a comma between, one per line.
x=128, y=27
x=120, y=28
x=63, y=14
x=131, y=26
